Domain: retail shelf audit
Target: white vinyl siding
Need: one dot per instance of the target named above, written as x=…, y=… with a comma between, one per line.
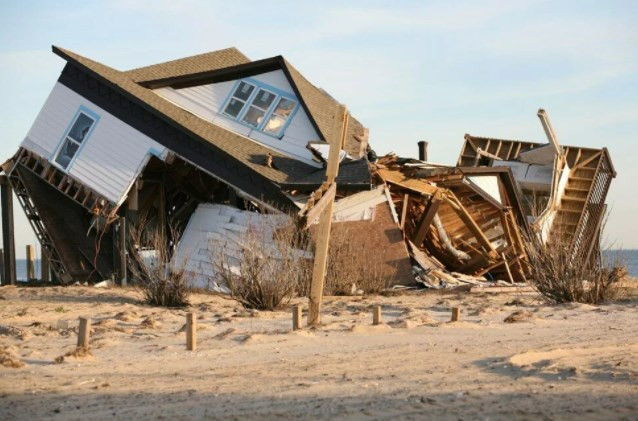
x=113, y=155
x=206, y=102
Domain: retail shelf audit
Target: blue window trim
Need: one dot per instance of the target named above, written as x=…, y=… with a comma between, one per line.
x=278, y=95
x=84, y=110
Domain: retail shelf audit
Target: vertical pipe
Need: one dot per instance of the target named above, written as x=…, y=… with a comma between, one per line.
x=423, y=150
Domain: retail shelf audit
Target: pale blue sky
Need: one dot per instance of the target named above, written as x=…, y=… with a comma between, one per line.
x=431, y=70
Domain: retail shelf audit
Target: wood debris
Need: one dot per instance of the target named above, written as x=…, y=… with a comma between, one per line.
x=462, y=225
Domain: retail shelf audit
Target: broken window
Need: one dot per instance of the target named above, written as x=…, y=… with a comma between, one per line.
x=76, y=135
x=261, y=107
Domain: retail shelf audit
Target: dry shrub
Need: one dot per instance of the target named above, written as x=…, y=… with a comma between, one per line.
x=79, y=352
x=562, y=277
x=268, y=271
x=519, y=316
x=9, y=359
x=162, y=281
x=350, y=267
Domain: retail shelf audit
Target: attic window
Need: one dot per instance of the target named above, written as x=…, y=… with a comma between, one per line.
x=261, y=107
x=75, y=137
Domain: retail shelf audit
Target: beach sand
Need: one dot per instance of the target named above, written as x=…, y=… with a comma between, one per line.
x=544, y=362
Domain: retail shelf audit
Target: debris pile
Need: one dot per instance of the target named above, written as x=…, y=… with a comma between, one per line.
x=460, y=224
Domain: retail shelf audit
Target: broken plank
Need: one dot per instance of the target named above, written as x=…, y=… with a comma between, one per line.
x=319, y=207
x=426, y=219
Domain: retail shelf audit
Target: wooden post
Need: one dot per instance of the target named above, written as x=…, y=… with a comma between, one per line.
x=8, y=240
x=30, y=262
x=325, y=222
x=44, y=266
x=133, y=198
x=121, y=238
x=376, y=315
x=456, y=314
x=296, y=317
x=84, y=332
x=191, y=332
x=2, y=281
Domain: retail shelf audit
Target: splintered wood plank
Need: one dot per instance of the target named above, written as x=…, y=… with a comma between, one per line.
x=404, y=210
x=325, y=222
x=426, y=220
x=398, y=178
x=319, y=207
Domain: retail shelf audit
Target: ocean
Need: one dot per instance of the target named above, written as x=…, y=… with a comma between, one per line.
x=628, y=257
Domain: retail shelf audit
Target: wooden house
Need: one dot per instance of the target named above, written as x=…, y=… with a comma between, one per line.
x=111, y=146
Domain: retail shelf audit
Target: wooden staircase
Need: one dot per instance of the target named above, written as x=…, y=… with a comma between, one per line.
x=35, y=221
x=582, y=209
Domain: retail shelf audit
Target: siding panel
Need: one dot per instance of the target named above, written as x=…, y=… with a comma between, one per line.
x=206, y=100
x=109, y=160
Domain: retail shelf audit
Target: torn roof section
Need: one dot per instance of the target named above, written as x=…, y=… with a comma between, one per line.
x=137, y=85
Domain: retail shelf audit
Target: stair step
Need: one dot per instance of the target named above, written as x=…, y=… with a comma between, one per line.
x=570, y=210
x=580, y=179
x=574, y=199
x=577, y=189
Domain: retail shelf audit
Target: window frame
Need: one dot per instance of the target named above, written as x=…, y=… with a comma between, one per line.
x=258, y=87
x=88, y=113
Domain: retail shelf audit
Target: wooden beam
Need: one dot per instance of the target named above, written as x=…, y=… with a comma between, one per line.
x=587, y=161
x=470, y=223
x=404, y=210
x=507, y=267
x=325, y=223
x=8, y=239
x=44, y=265
x=321, y=205
x=121, y=240
x=549, y=131
x=426, y=220
x=2, y=282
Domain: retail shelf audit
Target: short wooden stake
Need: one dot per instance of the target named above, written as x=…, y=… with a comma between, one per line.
x=84, y=332
x=376, y=315
x=296, y=317
x=191, y=332
x=30, y=262
x=456, y=314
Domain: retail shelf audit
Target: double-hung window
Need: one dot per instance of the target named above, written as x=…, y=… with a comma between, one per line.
x=76, y=135
x=260, y=107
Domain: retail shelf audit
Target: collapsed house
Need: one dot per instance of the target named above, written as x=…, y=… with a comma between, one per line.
x=563, y=188
x=474, y=219
x=164, y=144
x=204, y=148
x=466, y=220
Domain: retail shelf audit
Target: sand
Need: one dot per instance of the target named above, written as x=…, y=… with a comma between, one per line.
x=551, y=362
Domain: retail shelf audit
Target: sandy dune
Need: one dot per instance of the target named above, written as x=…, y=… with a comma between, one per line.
x=547, y=362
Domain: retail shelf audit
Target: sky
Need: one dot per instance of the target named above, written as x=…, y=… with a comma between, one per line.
x=408, y=70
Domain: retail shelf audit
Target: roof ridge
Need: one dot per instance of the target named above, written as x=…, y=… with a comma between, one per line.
x=222, y=58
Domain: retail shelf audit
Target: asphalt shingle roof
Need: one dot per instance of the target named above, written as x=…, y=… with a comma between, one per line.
x=321, y=107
